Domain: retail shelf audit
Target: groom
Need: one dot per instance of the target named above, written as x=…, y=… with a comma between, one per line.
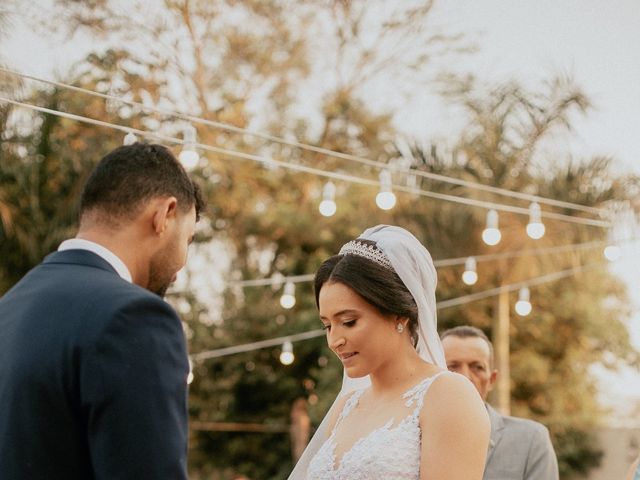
x=93, y=362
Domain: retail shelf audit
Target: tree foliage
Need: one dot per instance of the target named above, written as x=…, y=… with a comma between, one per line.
x=257, y=64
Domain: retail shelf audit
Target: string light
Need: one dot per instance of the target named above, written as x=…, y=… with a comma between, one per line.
x=470, y=276
x=277, y=279
x=189, y=157
x=491, y=234
x=331, y=153
x=385, y=199
x=130, y=139
x=535, y=227
x=313, y=171
x=443, y=304
x=612, y=252
x=328, y=204
x=286, y=355
x=288, y=298
x=523, y=306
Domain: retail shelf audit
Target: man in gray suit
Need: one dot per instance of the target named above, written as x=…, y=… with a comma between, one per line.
x=519, y=449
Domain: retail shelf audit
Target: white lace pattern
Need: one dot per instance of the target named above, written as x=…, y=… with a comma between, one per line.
x=389, y=452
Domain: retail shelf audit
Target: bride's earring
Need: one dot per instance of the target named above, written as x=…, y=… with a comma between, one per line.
x=399, y=328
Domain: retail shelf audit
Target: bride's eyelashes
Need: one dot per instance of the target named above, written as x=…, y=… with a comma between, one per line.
x=348, y=324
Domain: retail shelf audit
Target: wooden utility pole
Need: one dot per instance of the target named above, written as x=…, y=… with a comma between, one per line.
x=500, y=333
x=300, y=428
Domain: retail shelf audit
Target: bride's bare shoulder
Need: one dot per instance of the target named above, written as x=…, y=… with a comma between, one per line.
x=450, y=389
x=453, y=394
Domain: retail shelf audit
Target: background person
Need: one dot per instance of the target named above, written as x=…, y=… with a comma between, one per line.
x=519, y=449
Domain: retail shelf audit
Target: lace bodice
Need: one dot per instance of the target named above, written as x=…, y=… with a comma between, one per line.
x=390, y=451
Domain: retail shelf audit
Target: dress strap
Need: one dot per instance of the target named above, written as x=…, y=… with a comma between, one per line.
x=415, y=396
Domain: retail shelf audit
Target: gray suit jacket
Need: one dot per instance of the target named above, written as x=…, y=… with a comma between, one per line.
x=519, y=449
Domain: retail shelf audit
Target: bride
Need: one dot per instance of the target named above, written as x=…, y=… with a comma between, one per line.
x=400, y=413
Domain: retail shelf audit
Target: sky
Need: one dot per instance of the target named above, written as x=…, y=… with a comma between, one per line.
x=595, y=42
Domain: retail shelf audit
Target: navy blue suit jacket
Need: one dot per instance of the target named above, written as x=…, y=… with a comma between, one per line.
x=92, y=376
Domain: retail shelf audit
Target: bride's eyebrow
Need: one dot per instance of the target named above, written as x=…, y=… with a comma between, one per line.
x=341, y=313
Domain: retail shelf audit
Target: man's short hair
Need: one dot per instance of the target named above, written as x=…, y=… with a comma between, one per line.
x=467, y=331
x=132, y=174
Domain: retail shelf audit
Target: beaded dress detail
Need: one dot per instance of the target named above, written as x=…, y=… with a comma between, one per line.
x=390, y=451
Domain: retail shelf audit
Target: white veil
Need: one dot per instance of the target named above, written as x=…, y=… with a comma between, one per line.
x=413, y=264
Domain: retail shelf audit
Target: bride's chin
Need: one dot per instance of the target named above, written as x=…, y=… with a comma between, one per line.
x=355, y=373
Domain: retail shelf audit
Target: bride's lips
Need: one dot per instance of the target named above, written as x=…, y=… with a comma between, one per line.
x=347, y=357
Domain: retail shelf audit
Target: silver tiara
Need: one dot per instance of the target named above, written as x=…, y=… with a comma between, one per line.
x=370, y=252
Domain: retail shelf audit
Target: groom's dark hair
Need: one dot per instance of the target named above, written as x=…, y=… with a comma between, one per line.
x=132, y=174
x=381, y=287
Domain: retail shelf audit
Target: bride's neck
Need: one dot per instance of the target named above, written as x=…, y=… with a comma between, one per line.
x=399, y=373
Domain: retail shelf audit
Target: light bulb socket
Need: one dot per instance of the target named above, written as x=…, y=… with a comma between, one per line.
x=535, y=214
x=470, y=264
x=492, y=219
x=385, y=180
x=329, y=191
x=523, y=294
x=129, y=139
x=189, y=134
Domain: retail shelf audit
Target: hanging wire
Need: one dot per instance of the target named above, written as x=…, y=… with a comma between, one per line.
x=313, y=148
x=454, y=302
x=445, y=262
x=313, y=171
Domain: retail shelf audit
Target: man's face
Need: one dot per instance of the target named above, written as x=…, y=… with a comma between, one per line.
x=471, y=357
x=167, y=261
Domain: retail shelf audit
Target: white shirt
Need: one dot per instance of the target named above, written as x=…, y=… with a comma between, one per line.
x=102, y=252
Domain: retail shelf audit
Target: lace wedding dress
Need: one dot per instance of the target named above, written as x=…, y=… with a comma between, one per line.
x=391, y=451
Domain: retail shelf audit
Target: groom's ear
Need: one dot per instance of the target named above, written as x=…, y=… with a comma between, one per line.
x=164, y=210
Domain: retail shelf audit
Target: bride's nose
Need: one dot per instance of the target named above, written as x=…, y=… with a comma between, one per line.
x=335, y=340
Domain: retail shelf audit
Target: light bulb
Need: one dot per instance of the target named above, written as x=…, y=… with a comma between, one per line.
x=470, y=276
x=612, y=252
x=535, y=230
x=385, y=199
x=523, y=306
x=286, y=355
x=327, y=208
x=535, y=227
x=129, y=139
x=288, y=298
x=328, y=204
x=491, y=234
x=189, y=157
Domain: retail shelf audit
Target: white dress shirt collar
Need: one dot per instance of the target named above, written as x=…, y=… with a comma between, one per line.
x=104, y=253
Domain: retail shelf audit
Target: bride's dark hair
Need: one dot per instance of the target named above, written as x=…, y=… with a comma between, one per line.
x=381, y=287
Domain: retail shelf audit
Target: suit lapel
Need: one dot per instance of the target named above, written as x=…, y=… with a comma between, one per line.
x=497, y=427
